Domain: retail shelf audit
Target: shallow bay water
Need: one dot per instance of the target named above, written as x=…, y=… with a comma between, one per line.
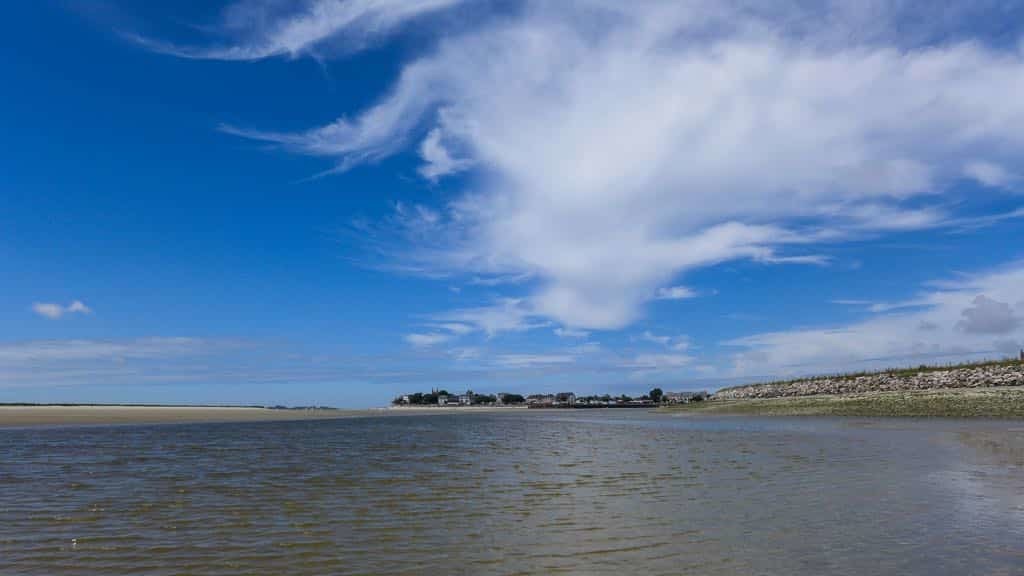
x=522, y=492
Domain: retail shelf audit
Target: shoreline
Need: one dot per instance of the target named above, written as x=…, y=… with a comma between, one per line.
x=34, y=415
x=434, y=408
x=984, y=403
x=989, y=402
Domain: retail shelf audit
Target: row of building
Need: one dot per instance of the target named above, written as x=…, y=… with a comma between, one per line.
x=559, y=400
x=456, y=399
x=570, y=400
x=562, y=399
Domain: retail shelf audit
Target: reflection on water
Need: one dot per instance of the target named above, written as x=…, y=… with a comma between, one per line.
x=516, y=493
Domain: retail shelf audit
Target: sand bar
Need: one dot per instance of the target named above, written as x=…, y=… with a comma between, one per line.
x=98, y=415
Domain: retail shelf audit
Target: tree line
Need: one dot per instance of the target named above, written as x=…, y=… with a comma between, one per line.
x=655, y=396
x=431, y=398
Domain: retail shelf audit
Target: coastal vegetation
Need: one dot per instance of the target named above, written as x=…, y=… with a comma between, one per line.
x=444, y=398
x=978, y=389
x=896, y=372
x=953, y=403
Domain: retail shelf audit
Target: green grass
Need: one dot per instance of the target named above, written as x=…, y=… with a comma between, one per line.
x=949, y=402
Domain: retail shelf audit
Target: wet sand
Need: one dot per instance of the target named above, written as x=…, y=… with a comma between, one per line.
x=99, y=415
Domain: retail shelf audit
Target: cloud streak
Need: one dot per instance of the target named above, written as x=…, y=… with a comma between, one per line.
x=264, y=28
x=675, y=293
x=426, y=340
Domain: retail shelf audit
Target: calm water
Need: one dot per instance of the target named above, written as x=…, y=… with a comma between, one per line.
x=516, y=493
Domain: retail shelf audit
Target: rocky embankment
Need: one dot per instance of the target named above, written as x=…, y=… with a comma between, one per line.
x=984, y=376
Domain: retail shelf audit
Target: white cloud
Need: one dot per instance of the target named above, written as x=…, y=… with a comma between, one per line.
x=78, y=350
x=988, y=316
x=78, y=306
x=658, y=361
x=879, y=307
x=677, y=343
x=456, y=327
x=49, y=310
x=675, y=293
x=587, y=348
x=438, y=161
x=988, y=173
x=570, y=333
x=886, y=217
x=268, y=28
x=464, y=354
x=812, y=259
x=851, y=302
x=660, y=340
x=506, y=315
x=55, y=311
x=625, y=146
x=528, y=360
x=975, y=222
x=239, y=371
x=214, y=365
x=969, y=318
x=424, y=340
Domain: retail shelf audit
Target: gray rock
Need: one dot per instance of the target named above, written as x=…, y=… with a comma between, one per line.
x=962, y=377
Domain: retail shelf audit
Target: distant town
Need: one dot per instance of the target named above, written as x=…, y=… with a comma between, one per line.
x=443, y=398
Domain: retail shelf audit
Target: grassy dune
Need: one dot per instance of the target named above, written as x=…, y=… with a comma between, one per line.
x=1006, y=402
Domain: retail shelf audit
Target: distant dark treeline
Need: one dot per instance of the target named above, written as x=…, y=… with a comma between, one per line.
x=434, y=397
x=444, y=398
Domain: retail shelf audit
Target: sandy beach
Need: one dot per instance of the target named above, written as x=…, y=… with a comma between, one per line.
x=98, y=415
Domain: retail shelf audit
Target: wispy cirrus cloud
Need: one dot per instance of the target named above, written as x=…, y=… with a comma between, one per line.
x=437, y=159
x=529, y=360
x=879, y=307
x=259, y=29
x=989, y=173
x=56, y=363
x=654, y=362
x=139, y=362
x=427, y=339
x=677, y=343
x=975, y=316
x=100, y=350
x=570, y=333
x=638, y=144
x=675, y=293
x=505, y=315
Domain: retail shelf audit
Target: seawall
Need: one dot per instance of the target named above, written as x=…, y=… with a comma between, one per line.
x=982, y=376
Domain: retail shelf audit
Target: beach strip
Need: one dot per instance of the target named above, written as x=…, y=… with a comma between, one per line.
x=53, y=415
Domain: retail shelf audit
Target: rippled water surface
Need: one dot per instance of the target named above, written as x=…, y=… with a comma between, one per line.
x=516, y=493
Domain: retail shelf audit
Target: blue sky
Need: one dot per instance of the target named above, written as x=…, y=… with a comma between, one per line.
x=334, y=201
